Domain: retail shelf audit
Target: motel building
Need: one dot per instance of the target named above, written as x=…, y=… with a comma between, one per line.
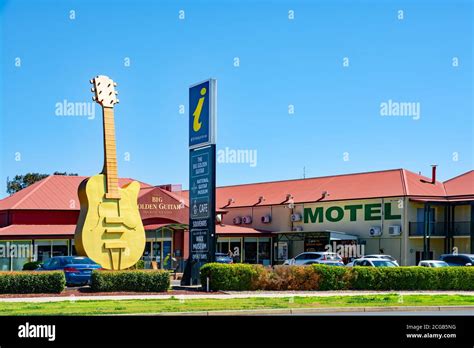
x=395, y=212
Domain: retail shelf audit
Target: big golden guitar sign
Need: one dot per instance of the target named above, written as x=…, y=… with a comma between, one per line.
x=109, y=229
x=157, y=203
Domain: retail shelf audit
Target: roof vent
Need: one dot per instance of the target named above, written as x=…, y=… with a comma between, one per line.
x=260, y=200
x=229, y=202
x=433, y=175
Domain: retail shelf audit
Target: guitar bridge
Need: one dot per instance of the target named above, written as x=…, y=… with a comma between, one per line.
x=115, y=245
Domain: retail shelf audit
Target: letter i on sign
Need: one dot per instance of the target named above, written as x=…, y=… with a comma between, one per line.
x=197, y=111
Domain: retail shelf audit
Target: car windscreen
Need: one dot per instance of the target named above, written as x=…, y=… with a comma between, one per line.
x=439, y=264
x=77, y=261
x=383, y=263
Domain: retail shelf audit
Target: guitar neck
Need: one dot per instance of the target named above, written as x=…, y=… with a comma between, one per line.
x=110, y=154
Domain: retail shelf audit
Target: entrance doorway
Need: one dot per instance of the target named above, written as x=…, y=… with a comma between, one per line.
x=159, y=251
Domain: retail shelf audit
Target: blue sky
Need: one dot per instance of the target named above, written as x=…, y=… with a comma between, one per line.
x=282, y=62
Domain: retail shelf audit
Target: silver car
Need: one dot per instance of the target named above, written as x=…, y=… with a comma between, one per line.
x=313, y=256
x=374, y=262
x=382, y=257
x=432, y=263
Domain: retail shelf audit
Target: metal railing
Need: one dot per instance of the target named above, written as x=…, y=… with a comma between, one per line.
x=461, y=228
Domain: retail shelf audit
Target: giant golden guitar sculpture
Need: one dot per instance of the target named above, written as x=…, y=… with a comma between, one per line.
x=109, y=229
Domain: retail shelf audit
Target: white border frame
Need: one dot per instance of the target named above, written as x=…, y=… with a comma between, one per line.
x=212, y=113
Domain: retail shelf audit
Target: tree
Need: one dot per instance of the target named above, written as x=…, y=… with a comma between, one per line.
x=19, y=182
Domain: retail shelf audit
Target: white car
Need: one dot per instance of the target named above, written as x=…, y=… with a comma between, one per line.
x=381, y=256
x=315, y=256
x=433, y=263
x=374, y=262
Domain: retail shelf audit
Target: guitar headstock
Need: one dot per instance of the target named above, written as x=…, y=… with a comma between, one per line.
x=104, y=91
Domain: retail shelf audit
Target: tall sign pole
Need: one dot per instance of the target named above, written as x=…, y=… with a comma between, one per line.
x=202, y=177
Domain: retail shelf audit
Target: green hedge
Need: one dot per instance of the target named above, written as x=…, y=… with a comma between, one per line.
x=228, y=277
x=130, y=280
x=31, y=282
x=322, y=277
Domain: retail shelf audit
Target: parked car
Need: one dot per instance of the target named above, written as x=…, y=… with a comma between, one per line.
x=325, y=262
x=223, y=258
x=381, y=256
x=77, y=269
x=303, y=258
x=432, y=263
x=374, y=262
x=458, y=259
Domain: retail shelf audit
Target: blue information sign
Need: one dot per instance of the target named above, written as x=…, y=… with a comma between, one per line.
x=202, y=203
x=202, y=178
x=202, y=110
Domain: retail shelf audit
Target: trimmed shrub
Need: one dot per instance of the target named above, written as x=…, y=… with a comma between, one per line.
x=130, y=280
x=323, y=277
x=332, y=277
x=139, y=265
x=366, y=278
x=32, y=282
x=455, y=278
x=285, y=278
x=229, y=277
x=31, y=266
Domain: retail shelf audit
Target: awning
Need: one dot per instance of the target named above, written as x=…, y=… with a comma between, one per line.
x=37, y=230
x=333, y=235
x=465, y=200
x=174, y=226
x=240, y=230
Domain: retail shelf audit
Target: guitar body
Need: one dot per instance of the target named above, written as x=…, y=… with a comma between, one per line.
x=109, y=230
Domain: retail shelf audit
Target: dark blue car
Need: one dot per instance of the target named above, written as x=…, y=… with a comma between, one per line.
x=77, y=269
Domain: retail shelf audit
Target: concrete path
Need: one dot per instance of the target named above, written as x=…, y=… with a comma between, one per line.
x=229, y=295
x=392, y=310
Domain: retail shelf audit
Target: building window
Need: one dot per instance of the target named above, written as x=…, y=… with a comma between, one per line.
x=4, y=261
x=14, y=255
x=59, y=247
x=50, y=248
x=235, y=245
x=264, y=251
x=250, y=250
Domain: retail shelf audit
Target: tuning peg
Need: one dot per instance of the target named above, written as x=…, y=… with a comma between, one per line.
x=115, y=84
x=118, y=101
x=92, y=89
x=91, y=81
x=94, y=98
x=116, y=92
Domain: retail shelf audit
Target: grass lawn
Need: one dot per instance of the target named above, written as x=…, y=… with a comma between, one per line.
x=175, y=305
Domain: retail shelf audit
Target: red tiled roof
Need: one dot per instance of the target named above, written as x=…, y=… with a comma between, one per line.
x=461, y=185
x=37, y=230
x=56, y=192
x=387, y=183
